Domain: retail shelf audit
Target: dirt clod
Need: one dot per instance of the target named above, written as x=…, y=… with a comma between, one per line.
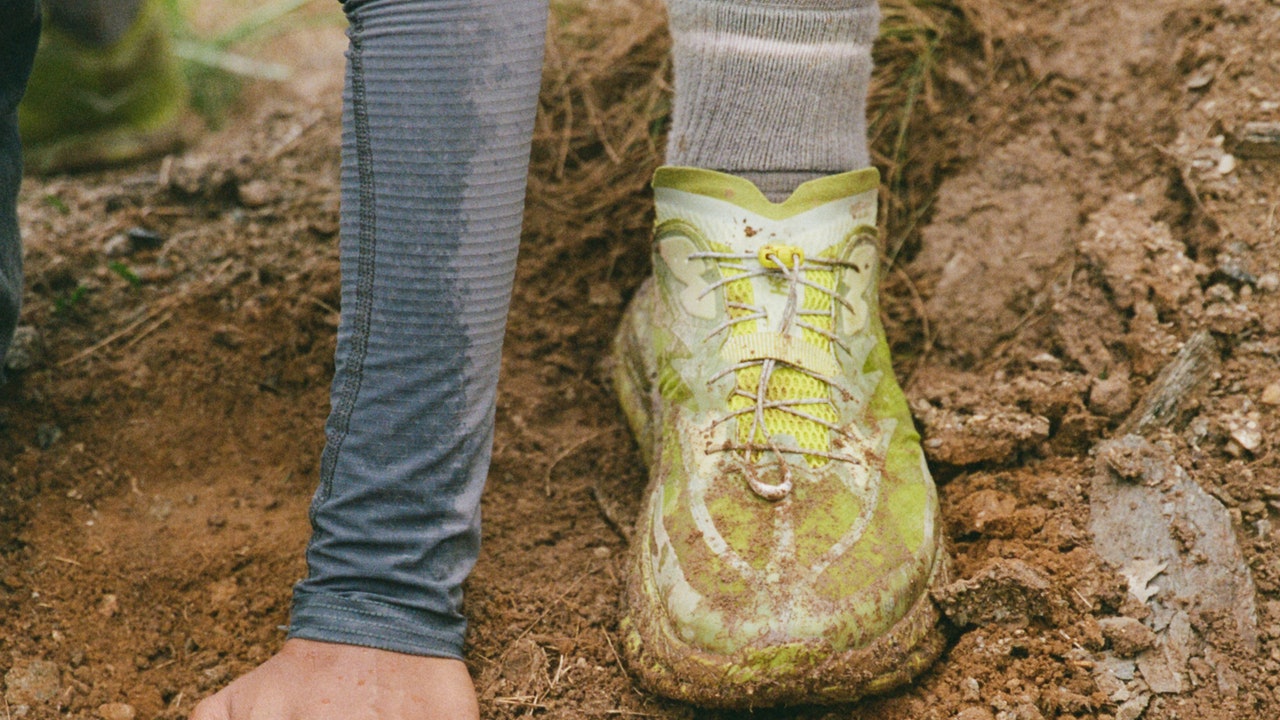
x=1003, y=591
x=1127, y=636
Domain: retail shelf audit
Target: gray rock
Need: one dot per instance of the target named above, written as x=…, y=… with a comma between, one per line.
x=26, y=349
x=1162, y=671
x=1140, y=500
x=1133, y=708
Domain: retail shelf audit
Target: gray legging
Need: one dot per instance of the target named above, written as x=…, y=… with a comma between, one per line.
x=437, y=123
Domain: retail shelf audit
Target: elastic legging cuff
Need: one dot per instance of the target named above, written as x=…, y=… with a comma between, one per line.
x=371, y=623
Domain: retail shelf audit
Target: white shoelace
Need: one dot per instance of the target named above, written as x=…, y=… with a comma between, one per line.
x=788, y=263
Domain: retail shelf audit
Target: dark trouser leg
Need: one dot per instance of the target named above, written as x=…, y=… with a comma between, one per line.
x=19, y=33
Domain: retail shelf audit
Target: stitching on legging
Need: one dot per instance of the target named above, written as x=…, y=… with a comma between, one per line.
x=366, y=250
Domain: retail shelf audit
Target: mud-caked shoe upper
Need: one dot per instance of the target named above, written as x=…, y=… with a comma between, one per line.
x=791, y=517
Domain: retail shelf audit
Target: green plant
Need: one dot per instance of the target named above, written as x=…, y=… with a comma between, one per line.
x=915, y=39
x=66, y=301
x=56, y=203
x=125, y=272
x=215, y=71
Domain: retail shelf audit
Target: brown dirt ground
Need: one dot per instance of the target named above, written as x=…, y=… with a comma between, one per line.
x=1071, y=204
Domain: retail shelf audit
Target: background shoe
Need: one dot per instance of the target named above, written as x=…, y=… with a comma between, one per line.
x=91, y=106
x=789, y=535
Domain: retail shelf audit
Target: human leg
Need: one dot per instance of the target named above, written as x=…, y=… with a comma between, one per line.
x=789, y=536
x=437, y=123
x=19, y=32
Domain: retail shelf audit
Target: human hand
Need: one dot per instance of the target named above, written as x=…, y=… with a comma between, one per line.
x=310, y=680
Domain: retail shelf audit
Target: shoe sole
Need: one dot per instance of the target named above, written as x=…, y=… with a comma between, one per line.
x=112, y=146
x=791, y=674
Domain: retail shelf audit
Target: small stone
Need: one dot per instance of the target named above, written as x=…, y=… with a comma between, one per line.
x=1111, y=396
x=1226, y=164
x=970, y=690
x=108, y=606
x=161, y=508
x=602, y=552
x=1247, y=433
x=1271, y=394
x=1258, y=140
x=141, y=238
x=1045, y=361
x=1203, y=75
x=1025, y=711
x=117, y=245
x=216, y=674
x=254, y=194
x=25, y=350
x=1133, y=708
x=116, y=711
x=1269, y=282
x=36, y=682
x=1128, y=636
x=47, y=434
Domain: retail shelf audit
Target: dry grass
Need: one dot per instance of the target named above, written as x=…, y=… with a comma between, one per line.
x=601, y=120
x=606, y=101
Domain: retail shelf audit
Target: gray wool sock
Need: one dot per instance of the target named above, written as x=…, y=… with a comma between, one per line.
x=774, y=91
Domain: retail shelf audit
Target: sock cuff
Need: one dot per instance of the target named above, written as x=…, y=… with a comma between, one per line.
x=814, y=20
x=771, y=87
x=786, y=5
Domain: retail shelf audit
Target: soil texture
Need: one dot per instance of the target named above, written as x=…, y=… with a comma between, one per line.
x=1083, y=222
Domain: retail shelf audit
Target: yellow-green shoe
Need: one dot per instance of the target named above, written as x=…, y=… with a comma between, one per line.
x=91, y=106
x=789, y=536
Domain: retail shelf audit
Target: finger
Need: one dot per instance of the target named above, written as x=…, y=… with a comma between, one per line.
x=211, y=708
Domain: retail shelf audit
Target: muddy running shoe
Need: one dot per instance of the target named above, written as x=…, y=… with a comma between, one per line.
x=91, y=106
x=789, y=535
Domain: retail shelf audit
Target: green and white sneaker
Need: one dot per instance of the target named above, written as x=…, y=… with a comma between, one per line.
x=789, y=536
x=88, y=107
